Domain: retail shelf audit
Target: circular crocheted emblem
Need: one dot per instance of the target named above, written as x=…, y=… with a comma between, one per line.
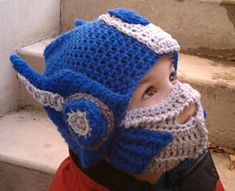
x=79, y=123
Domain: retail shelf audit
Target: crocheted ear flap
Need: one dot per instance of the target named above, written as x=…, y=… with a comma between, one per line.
x=88, y=128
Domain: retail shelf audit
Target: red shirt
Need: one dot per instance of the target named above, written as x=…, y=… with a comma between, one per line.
x=70, y=178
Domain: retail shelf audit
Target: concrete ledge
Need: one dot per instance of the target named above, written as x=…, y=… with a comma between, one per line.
x=31, y=151
x=36, y=49
x=18, y=178
x=29, y=139
x=207, y=72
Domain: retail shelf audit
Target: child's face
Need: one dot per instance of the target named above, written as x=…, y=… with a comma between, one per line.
x=152, y=89
x=156, y=85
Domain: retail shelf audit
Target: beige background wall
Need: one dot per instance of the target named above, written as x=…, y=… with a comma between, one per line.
x=22, y=21
x=204, y=26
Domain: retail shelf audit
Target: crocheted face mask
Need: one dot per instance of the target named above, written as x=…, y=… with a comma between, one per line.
x=188, y=141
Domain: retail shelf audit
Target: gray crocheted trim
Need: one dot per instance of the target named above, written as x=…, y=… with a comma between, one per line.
x=56, y=101
x=78, y=122
x=45, y=98
x=152, y=36
x=189, y=139
x=105, y=111
x=104, y=108
x=179, y=98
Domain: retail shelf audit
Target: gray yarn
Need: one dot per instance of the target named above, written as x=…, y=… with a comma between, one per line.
x=189, y=139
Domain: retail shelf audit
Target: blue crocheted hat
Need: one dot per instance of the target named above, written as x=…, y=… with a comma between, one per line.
x=90, y=74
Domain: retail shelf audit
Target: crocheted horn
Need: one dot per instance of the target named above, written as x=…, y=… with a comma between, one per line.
x=90, y=126
x=34, y=84
x=25, y=71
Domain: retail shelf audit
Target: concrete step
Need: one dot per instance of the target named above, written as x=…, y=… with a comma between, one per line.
x=32, y=149
x=216, y=83
x=204, y=27
x=214, y=79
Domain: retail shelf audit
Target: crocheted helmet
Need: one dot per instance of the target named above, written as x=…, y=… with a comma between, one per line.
x=90, y=74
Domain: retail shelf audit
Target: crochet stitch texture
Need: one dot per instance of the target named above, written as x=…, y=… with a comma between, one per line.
x=189, y=140
x=90, y=74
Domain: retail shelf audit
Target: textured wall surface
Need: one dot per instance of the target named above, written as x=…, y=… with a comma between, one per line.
x=203, y=26
x=22, y=21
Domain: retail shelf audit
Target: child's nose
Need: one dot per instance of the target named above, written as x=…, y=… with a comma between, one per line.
x=185, y=115
x=175, y=82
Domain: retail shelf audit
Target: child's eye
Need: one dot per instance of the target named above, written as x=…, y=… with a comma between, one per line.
x=149, y=92
x=173, y=76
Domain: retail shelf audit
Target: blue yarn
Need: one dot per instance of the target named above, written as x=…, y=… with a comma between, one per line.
x=88, y=157
x=25, y=70
x=205, y=113
x=95, y=118
x=140, y=145
x=91, y=49
x=129, y=16
x=97, y=59
x=174, y=60
x=79, y=22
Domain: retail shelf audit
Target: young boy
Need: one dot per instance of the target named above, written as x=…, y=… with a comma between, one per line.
x=110, y=86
